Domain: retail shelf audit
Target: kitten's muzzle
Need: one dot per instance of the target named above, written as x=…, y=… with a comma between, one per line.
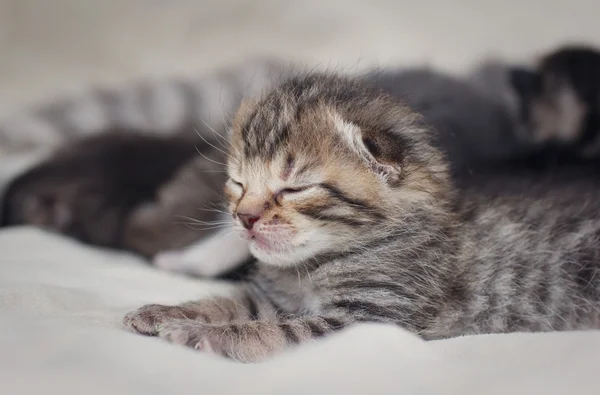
x=248, y=220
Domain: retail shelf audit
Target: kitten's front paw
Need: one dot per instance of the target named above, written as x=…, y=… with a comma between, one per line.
x=193, y=334
x=147, y=319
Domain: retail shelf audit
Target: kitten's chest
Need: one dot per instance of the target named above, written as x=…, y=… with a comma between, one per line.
x=288, y=291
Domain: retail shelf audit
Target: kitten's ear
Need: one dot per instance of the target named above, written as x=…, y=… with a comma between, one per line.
x=380, y=150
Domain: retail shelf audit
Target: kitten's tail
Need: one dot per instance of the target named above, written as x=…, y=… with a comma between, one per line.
x=160, y=106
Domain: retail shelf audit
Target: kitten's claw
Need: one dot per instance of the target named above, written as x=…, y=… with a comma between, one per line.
x=191, y=334
x=147, y=319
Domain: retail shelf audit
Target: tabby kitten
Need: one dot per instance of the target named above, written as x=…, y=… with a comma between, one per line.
x=351, y=213
x=90, y=191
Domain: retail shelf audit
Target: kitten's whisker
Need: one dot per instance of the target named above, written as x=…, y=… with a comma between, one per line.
x=211, y=171
x=192, y=226
x=216, y=134
x=207, y=142
x=212, y=210
x=200, y=222
x=223, y=205
x=210, y=160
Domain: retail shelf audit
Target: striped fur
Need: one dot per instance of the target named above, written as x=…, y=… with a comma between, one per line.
x=356, y=219
x=162, y=106
x=59, y=194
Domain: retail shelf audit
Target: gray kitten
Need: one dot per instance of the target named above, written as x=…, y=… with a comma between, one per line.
x=140, y=185
x=352, y=214
x=136, y=183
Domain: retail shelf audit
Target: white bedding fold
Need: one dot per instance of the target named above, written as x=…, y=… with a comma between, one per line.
x=61, y=304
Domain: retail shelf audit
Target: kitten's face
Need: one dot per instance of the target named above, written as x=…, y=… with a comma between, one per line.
x=560, y=95
x=305, y=180
x=557, y=112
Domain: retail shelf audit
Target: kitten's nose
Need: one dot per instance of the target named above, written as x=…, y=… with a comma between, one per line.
x=248, y=220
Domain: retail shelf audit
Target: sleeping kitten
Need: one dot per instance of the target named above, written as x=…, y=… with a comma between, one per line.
x=352, y=216
x=145, y=171
x=563, y=100
x=154, y=106
x=480, y=122
x=88, y=191
x=483, y=124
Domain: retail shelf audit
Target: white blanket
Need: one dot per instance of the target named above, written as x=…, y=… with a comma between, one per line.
x=61, y=304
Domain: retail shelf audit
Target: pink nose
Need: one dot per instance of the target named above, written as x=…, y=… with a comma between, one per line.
x=248, y=220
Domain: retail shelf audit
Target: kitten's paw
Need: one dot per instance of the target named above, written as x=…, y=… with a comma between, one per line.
x=147, y=319
x=193, y=334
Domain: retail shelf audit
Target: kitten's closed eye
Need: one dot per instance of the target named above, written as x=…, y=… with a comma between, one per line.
x=294, y=191
x=237, y=183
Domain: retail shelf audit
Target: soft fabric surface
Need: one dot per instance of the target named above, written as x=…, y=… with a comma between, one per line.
x=61, y=304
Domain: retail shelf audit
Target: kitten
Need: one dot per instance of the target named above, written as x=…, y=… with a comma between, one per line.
x=88, y=189
x=144, y=171
x=158, y=106
x=352, y=215
x=562, y=100
x=144, y=221
x=480, y=122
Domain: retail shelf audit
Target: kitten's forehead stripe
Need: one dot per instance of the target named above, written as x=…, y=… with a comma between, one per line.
x=289, y=167
x=268, y=128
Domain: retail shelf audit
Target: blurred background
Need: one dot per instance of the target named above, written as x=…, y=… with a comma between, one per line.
x=51, y=46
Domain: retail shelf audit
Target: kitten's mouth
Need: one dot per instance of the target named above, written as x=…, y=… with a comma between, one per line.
x=264, y=242
x=261, y=242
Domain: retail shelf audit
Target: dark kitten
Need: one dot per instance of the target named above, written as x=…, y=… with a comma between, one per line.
x=561, y=101
x=89, y=188
x=474, y=122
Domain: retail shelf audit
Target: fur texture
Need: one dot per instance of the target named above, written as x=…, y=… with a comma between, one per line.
x=352, y=213
x=154, y=219
x=155, y=106
x=480, y=123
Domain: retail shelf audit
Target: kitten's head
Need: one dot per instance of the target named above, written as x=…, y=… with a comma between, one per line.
x=560, y=96
x=324, y=164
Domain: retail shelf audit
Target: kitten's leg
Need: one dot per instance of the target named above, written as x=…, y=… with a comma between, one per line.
x=148, y=319
x=245, y=327
x=210, y=257
x=249, y=341
x=242, y=305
